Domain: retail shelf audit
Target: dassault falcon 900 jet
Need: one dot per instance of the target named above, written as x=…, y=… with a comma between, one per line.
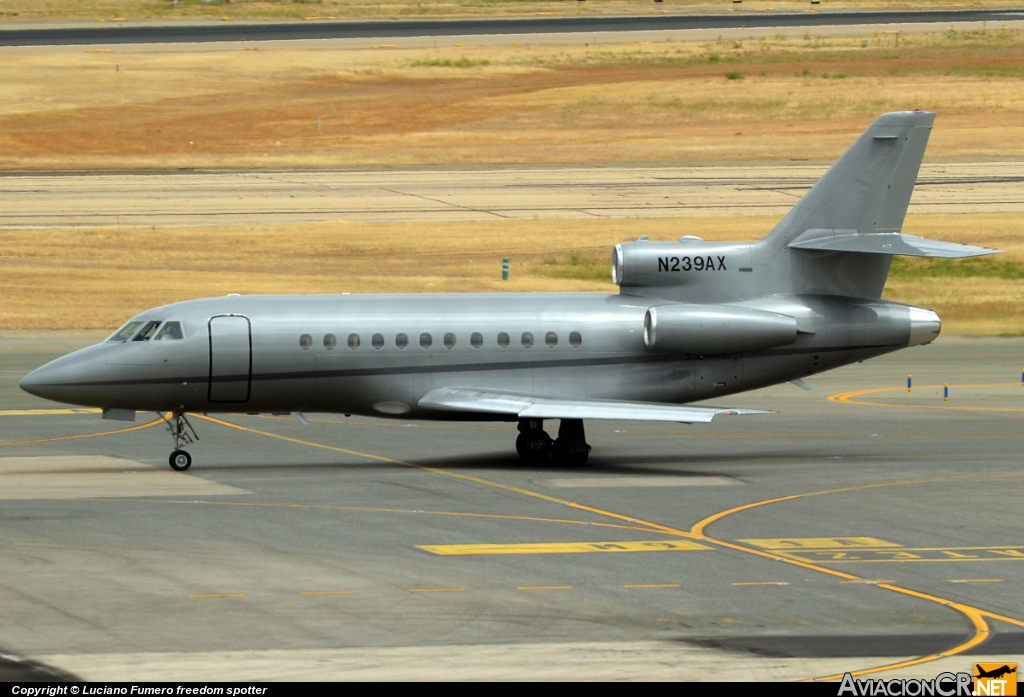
x=693, y=320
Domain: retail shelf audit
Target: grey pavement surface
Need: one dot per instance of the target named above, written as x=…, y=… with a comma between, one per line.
x=340, y=550
x=642, y=19
x=249, y=197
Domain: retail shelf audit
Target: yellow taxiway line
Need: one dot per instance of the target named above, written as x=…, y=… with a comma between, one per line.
x=976, y=616
x=851, y=398
x=154, y=422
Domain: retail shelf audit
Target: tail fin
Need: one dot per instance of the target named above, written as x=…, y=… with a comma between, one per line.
x=869, y=187
x=847, y=228
x=839, y=239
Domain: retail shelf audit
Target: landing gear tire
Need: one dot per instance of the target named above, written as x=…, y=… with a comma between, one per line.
x=180, y=460
x=534, y=445
x=562, y=457
x=182, y=434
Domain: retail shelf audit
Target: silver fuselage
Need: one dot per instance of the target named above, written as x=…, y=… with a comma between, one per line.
x=269, y=354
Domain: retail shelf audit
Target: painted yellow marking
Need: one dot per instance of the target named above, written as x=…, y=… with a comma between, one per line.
x=651, y=585
x=328, y=593
x=851, y=398
x=981, y=632
x=543, y=588
x=761, y=583
x=46, y=412
x=666, y=433
x=456, y=475
x=436, y=590
x=563, y=547
x=975, y=615
x=803, y=543
x=871, y=581
x=1001, y=618
x=216, y=595
x=531, y=519
x=975, y=580
x=923, y=554
x=83, y=435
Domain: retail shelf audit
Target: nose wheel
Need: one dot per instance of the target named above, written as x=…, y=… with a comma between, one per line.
x=182, y=434
x=180, y=460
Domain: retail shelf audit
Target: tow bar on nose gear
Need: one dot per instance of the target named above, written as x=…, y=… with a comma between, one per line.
x=183, y=434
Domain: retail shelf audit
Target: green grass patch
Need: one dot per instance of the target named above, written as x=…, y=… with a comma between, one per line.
x=1002, y=269
x=448, y=63
x=987, y=71
x=734, y=75
x=577, y=267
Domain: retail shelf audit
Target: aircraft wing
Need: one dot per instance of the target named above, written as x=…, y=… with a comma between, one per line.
x=524, y=407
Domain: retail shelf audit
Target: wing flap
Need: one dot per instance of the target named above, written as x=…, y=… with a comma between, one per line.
x=524, y=407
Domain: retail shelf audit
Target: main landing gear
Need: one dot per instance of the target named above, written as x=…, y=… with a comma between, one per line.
x=535, y=446
x=183, y=434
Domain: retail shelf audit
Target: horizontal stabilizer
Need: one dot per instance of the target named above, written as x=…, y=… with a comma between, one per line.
x=885, y=243
x=524, y=407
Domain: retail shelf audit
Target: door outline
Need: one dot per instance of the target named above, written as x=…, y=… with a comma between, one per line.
x=248, y=384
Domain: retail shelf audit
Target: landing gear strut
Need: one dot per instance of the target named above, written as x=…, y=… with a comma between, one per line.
x=570, y=449
x=183, y=434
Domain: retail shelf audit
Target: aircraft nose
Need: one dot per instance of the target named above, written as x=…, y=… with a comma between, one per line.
x=32, y=382
x=72, y=379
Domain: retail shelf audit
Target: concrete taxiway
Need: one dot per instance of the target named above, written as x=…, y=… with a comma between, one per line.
x=859, y=527
x=255, y=197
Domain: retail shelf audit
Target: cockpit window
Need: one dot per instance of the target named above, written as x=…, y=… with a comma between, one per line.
x=125, y=332
x=147, y=332
x=170, y=330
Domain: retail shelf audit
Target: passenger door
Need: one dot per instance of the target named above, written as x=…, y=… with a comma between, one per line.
x=230, y=358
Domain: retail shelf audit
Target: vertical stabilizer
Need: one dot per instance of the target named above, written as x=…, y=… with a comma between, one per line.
x=868, y=189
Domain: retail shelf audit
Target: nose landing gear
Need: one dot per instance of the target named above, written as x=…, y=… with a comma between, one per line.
x=570, y=449
x=180, y=460
x=183, y=434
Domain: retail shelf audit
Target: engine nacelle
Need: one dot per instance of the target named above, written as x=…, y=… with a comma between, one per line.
x=715, y=330
x=689, y=262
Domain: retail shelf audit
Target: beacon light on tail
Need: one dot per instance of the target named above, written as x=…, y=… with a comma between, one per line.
x=692, y=320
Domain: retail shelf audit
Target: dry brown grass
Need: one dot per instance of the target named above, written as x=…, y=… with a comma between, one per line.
x=13, y=10
x=96, y=278
x=136, y=108
x=803, y=98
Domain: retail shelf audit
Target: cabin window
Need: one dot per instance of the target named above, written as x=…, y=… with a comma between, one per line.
x=125, y=332
x=147, y=332
x=330, y=341
x=306, y=342
x=426, y=340
x=401, y=341
x=551, y=339
x=575, y=339
x=377, y=341
x=353, y=341
x=503, y=340
x=527, y=340
x=449, y=340
x=476, y=339
x=170, y=330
